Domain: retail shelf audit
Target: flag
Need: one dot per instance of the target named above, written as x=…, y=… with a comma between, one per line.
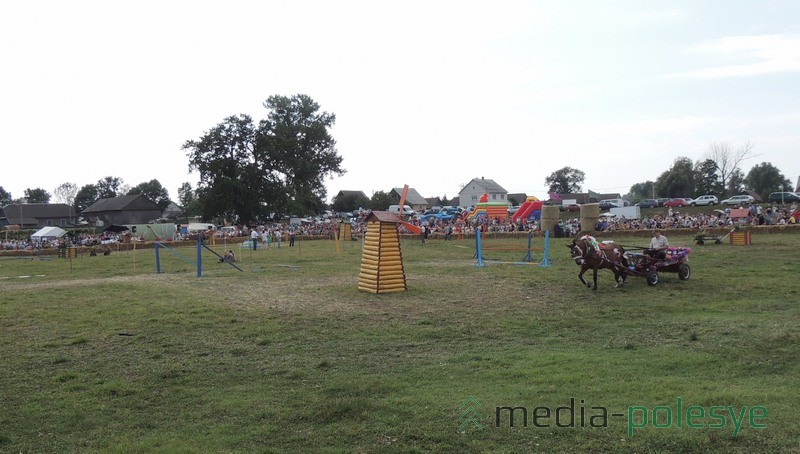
x=797, y=188
x=594, y=195
x=554, y=196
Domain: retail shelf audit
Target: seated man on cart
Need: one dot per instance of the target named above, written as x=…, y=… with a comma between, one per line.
x=658, y=246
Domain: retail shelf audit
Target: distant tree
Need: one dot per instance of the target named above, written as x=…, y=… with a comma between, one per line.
x=445, y=201
x=678, y=181
x=765, y=178
x=65, y=193
x=706, y=178
x=188, y=200
x=380, y=201
x=108, y=187
x=185, y=194
x=736, y=182
x=278, y=166
x=5, y=197
x=641, y=191
x=727, y=158
x=37, y=195
x=351, y=201
x=565, y=180
x=86, y=196
x=154, y=191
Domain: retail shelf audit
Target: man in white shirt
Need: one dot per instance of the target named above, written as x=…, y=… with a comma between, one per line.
x=254, y=238
x=658, y=246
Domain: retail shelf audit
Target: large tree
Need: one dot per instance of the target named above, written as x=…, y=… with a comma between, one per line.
x=65, y=193
x=565, y=180
x=295, y=139
x=765, y=178
x=278, y=166
x=108, y=187
x=154, y=191
x=5, y=197
x=86, y=196
x=226, y=159
x=678, y=181
x=727, y=159
x=37, y=195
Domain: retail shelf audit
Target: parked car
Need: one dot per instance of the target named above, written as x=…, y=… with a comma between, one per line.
x=662, y=201
x=441, y=215
x=407, y=211
x=570, y=207
x=738, y=200
x=784, y=197
x=678, y=202
x=611, y=203
x=647, y=203
x=705, y=200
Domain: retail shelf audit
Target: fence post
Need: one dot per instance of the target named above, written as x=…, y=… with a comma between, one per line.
x=545, y=263
x=158, y=259
x=480, y=263
x=199, y=256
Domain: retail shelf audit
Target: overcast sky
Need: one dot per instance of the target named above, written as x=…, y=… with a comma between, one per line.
x=425, y=93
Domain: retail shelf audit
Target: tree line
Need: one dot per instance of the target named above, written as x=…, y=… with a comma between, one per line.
x=81, y=198
x=249, y=171
x=718, y=173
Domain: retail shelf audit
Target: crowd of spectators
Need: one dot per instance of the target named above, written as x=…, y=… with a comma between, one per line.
x=84, y=239
x=756, y=215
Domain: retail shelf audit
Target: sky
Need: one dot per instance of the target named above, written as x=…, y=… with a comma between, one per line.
x=425, y=93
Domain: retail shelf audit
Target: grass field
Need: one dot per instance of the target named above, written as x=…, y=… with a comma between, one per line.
x=289, y=356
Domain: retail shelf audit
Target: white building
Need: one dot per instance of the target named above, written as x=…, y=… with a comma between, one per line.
x=477, y=187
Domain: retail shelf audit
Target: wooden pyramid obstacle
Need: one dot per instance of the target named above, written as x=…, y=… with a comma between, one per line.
x=382, y=261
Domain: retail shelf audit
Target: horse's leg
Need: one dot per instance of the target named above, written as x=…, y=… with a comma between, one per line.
x=618, y=276
x=595, y=277
x=580, y=275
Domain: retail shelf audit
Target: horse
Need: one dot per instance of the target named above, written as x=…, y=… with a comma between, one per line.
x=589, y=254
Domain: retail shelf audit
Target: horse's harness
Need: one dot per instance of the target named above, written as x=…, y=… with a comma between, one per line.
x=580, y=255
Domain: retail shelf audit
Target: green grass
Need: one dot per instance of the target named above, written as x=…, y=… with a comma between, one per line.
x=99, y=355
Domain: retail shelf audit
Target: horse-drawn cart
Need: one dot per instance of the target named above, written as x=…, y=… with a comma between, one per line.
x=674, y=261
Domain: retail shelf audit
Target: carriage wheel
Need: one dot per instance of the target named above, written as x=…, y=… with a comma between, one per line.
x=652, y=278
x=700, y=241
x=684, y=271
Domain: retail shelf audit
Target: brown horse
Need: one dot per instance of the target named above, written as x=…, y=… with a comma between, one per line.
x=610, y=255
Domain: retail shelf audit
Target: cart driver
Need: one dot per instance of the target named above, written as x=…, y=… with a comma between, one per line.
x=658, y=246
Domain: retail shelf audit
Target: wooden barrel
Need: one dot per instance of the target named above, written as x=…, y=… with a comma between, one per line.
x=590, y=216
x=550, y=215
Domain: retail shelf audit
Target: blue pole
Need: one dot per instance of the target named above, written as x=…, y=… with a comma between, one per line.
x=480, y=263
x=199, y=257
x=528, y=257
x=545, y=263
x=158, y=261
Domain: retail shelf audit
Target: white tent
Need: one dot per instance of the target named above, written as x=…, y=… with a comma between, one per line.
x=49, y=232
